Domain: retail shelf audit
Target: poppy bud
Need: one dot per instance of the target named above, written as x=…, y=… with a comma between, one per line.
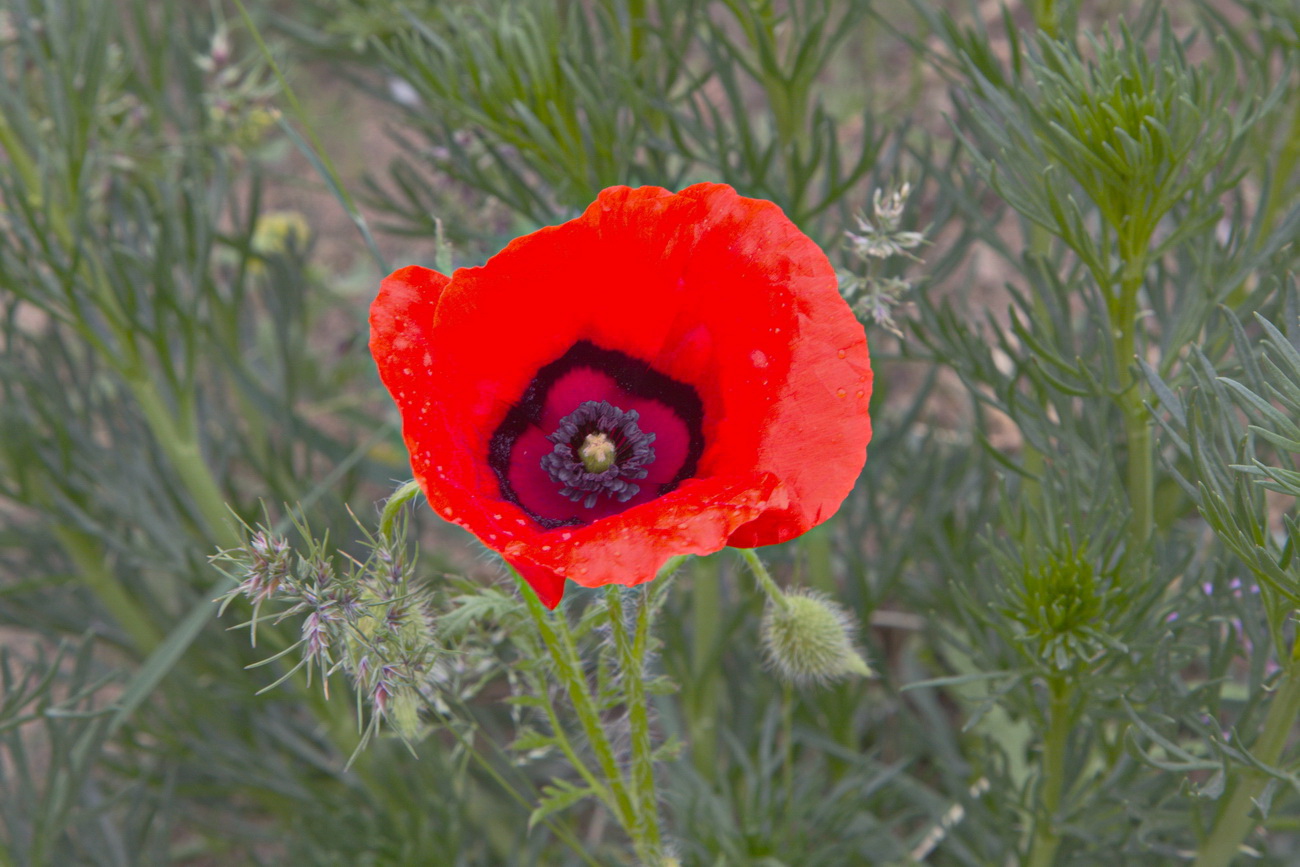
x=403, y=715
x=807, y=639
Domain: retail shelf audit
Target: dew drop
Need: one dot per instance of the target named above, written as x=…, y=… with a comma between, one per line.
x=406, y=370
x=498, y=517
x=860, y=393
x=566, y=536
x=842, y=354
x=546, y=547
x=759, y=358
x=428, y=360
x=839, y=392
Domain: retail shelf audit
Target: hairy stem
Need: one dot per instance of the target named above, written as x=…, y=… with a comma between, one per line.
x=559, y=643
x=764, y=577
x=632, y=651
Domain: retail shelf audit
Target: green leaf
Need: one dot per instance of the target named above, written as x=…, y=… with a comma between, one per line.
x=555, y=797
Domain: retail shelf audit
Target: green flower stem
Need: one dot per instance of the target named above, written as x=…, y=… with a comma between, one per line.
x=1234, y=820
x=787, y=753
x=764, y=577
x=1046, y=839
x=704, y=690
x=558, y=639
x=632, y=650
x=1137, y=427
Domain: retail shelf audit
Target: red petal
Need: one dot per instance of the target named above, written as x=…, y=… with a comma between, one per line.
x=710, y=288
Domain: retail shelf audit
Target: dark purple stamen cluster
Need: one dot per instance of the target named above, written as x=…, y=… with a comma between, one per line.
x=632, y=453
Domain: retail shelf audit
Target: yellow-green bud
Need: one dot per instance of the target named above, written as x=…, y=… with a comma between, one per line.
x=808, y=639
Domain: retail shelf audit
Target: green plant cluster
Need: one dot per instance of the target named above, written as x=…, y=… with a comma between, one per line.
x=1072, y=552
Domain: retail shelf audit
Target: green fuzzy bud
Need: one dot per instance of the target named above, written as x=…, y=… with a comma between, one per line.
x=403, y=714
x=807, y=639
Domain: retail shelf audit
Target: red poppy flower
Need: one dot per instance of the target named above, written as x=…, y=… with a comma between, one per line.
x=669, y=373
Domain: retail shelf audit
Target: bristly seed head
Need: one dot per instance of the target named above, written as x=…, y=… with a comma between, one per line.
x=599, y=449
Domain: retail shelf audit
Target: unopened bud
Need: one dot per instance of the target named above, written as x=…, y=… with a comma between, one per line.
x=807, y=638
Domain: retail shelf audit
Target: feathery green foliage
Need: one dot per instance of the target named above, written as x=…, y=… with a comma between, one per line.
x=1072, y=550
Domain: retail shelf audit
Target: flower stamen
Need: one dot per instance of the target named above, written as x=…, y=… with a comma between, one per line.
x=598, y=453
x=599, y=449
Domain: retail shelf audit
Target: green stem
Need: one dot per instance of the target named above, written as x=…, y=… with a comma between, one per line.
x=636, y=15
x=1046, y=17
x=764, y=577
x=645, y=833
x=1234, y=820
x=1137, y=426
x=704, y=688
x=558, y=639
x=1042, y=850
x=1287, y=159
x=178, y=439
x=787, y=736
x=87, y=556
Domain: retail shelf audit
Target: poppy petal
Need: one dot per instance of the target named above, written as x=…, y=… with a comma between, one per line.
x=702, y=310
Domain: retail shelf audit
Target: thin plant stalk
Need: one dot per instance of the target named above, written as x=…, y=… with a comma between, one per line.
x=1137, y=425
x=558, y=638
x=1047, y=837
x=632, y=652
x=1235, y=820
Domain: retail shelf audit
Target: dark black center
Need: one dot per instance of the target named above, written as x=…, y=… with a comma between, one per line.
x=598, y=450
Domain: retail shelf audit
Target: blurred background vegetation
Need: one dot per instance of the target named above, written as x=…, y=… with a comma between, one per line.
x=1071, y=550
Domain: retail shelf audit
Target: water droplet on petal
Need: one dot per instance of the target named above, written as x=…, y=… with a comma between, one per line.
x=843, y=353
x=839, y=392
x=759, y=358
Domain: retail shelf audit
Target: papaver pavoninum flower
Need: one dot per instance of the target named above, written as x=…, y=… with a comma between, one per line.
x=669, y=373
